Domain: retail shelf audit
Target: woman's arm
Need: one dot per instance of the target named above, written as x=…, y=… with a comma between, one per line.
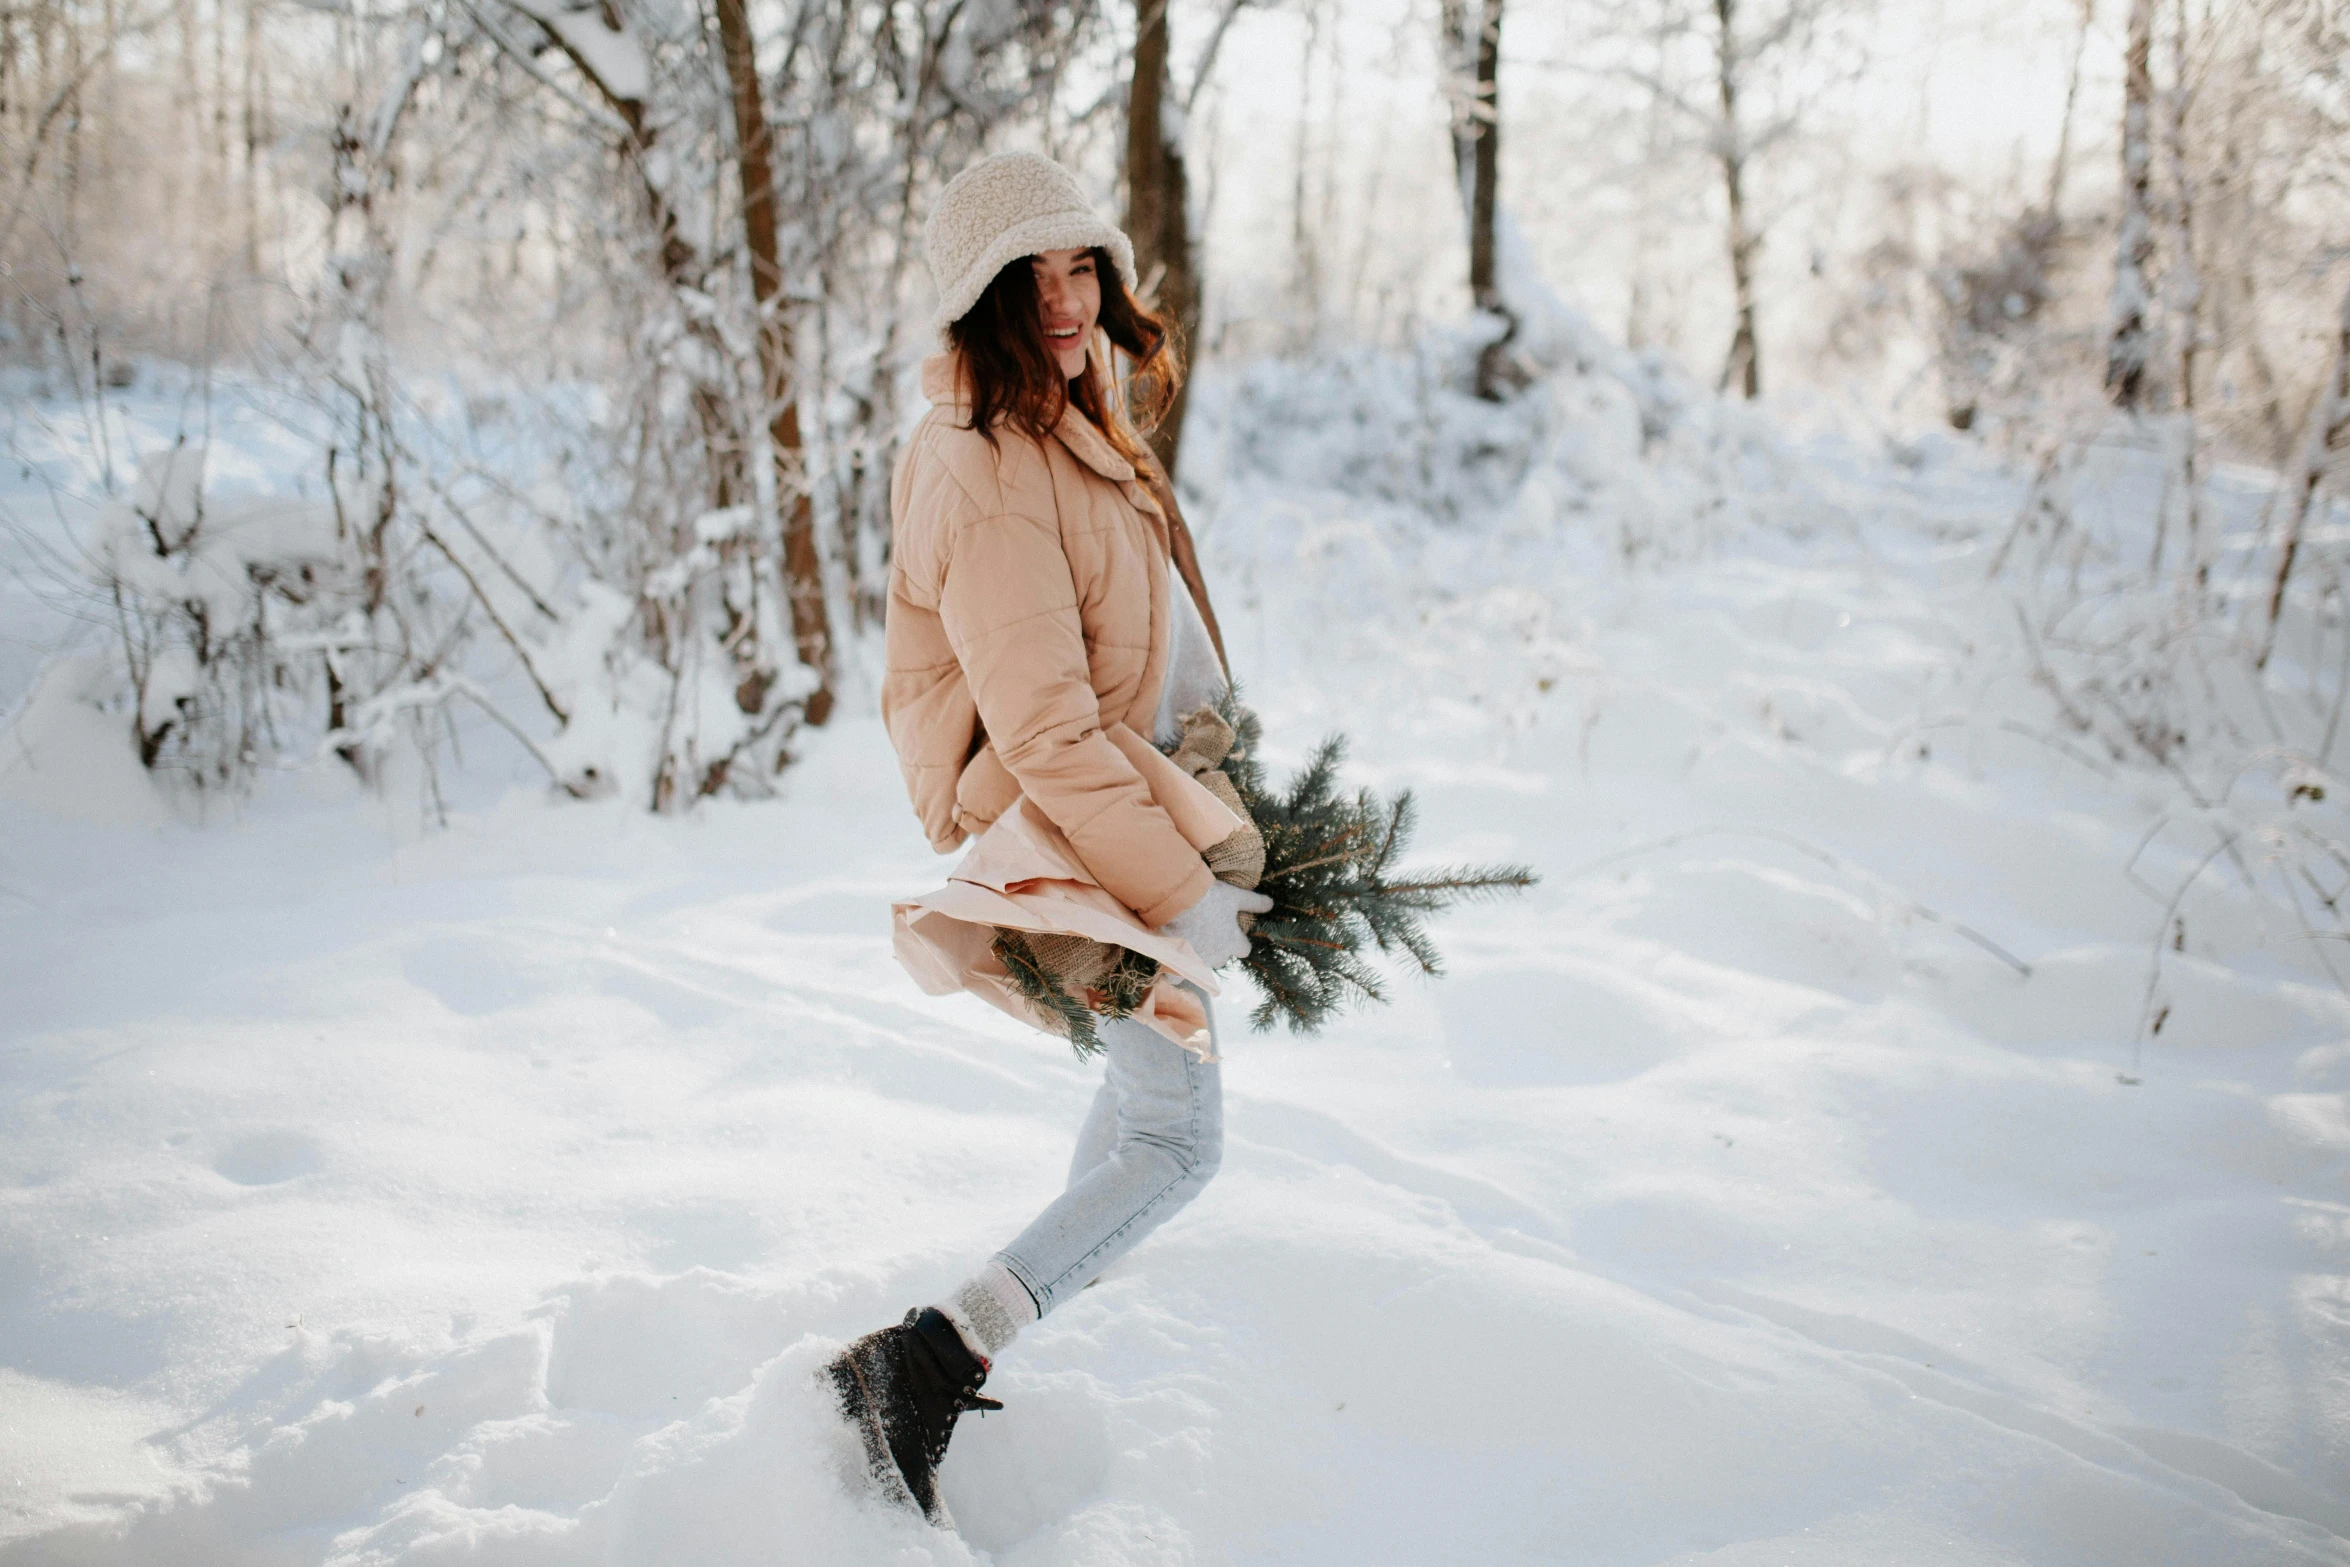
x=1009, y=608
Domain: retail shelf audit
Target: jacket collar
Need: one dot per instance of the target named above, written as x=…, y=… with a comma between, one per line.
x=943, y=384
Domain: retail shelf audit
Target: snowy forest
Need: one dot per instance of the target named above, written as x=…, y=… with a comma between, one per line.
x=1855, y=494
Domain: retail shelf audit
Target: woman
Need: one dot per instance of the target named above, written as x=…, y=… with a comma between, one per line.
x=1046, y=619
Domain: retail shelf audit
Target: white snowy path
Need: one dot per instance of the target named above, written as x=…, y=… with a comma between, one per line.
x=491, y=1195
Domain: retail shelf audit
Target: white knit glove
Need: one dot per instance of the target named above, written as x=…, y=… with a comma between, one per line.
x=1212, y=925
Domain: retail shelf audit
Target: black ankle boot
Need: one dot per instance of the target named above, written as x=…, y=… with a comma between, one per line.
x=901, y=1389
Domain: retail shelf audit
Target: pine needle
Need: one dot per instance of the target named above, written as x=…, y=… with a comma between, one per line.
x=1329, y=861
x=1047, y=992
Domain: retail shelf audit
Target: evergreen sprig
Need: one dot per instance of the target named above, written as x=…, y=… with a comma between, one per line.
x=1114, y=995
x=1046, y=992
x=1330, y=869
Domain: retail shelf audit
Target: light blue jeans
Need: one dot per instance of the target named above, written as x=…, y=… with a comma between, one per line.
x=1154, y=1137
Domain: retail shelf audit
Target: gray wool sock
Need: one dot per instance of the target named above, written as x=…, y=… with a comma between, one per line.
x=989, y=1309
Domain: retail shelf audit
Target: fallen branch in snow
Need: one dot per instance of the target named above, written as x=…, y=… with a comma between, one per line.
x=482, y=597
x=2149, y=1020
x=441, y=493
x=1825, y=857
x=432, y=695
x=2013, y=726
x=2035, y=505
x=2211, y=718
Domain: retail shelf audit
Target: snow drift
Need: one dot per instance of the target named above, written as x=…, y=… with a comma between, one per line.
x=1790, y=1178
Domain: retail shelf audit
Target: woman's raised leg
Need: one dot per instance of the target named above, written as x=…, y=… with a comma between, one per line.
x=1169, y=1142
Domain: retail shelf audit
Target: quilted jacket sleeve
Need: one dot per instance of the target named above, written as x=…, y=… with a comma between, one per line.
x=1009, y=607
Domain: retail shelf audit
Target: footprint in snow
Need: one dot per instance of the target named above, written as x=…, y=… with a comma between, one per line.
x=267, y=1158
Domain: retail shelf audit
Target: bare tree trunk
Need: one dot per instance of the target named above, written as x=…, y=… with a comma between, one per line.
x=2127, y=355
x=2185, y=280
x=1494, y=374
x=2274, y=422
x=1302, y=233
x=12, y=94
x=683, y=267
x=1158, y=205
x=222, y=172
x=680, y=262
x=2329, y=432
x=803, y=567
x=1457, y=50
x=1484, y=149
x=109, y=93
x=72, y=160
x=42, y=26
x=1647, y=222
x=360, y=243
x=2062, y=165
x=1743, y=366
x=252, y=134
x=2186, y=291
x=2231, y=289
x=186, y=133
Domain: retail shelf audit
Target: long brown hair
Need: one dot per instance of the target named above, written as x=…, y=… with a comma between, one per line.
x=1015, y=379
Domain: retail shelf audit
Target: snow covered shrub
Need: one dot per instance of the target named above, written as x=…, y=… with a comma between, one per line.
x=1993, y=337
x=1402, y=429
x=682, y=267
x=1391, y=528
x=1407, y=430
x=1616, y=449
x=235, y=617
x=2156, y=674
x=750, y=276
x=264, y=630
x=260, y=630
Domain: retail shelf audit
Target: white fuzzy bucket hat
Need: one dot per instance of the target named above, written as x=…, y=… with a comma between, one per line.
x=1002, y=208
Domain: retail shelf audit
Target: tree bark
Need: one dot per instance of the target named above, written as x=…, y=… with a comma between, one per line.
x=1158, y=213
x=359, y=238
x=680, y=263
x=1743, y=366
x=2185, y=289
x=223, y=172
x=1458, y=48
x=2329, y=432
x=803, y=567
x=1495, y=378
x=2186, y=282
x=1648, y=223
x=2127, y=355
x=1302, y=231
x=251, y=126
x=187, y=131
x=2062, y=164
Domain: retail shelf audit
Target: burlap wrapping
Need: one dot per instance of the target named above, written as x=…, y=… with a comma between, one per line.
x=1207, y=741
x=1081, y=962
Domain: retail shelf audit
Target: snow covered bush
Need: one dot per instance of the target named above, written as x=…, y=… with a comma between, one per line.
x=2160, y=674
x=688, y=323
x=1400, y=429
x=241, y=620
x=1619, y=449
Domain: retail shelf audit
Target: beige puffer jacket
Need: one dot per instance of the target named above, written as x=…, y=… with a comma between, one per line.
x=1027, y=641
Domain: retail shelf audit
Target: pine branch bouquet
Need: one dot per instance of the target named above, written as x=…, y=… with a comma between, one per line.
x=1327, y=860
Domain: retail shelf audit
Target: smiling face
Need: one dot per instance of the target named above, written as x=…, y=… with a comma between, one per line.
x=1069, y=298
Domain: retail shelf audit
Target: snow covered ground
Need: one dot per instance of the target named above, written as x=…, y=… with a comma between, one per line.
x=490, y=1193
